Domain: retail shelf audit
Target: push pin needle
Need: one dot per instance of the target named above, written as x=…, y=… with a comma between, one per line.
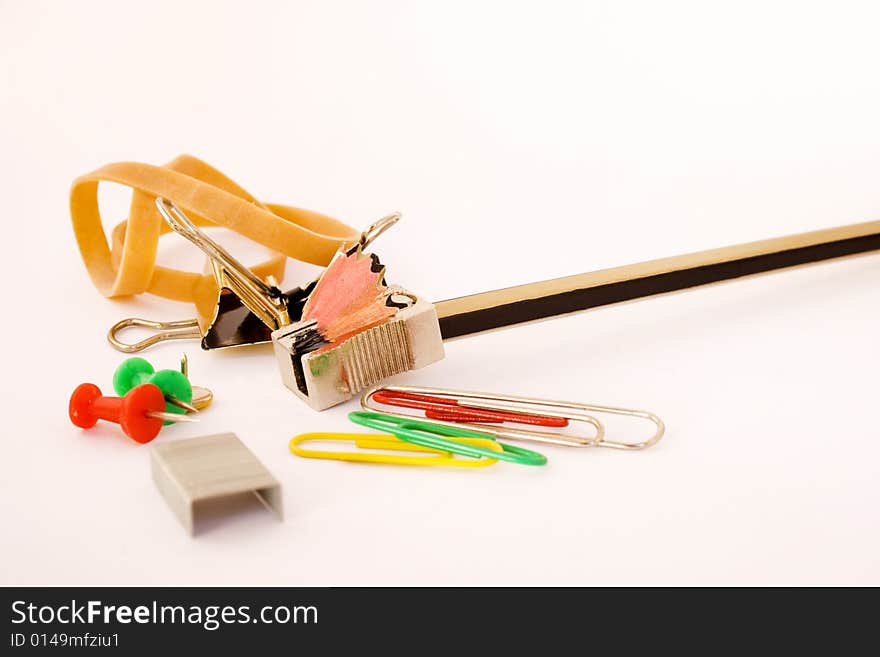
x=174, y=401
x=172, y=417
x=201, y=397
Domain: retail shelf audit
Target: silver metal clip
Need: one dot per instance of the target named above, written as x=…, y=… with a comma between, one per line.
x=527, y=406
x=185, y=329
x=377, y=228
x=265, y=301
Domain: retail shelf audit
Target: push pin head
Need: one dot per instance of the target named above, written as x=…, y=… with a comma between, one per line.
x=140, y=413
x=173, y=384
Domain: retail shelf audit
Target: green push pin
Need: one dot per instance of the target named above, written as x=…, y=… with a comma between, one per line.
x=173, y=384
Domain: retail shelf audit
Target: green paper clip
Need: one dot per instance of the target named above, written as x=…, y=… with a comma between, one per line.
x=427, y=434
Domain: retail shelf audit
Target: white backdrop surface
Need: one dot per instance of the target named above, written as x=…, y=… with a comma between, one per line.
x=521, y=141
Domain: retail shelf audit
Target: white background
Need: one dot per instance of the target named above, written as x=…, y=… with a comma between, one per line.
x=521, y=141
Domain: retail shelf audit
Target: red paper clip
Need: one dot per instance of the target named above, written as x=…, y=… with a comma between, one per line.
x=447, y=408
x=451, y=410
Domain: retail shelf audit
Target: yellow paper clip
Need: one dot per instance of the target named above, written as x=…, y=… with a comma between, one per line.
x=390, y=443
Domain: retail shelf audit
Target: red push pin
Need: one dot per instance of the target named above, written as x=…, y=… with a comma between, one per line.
x=140, y=413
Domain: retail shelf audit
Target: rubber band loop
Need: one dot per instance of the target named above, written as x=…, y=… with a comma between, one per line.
x=427, y=434
x=129, y=266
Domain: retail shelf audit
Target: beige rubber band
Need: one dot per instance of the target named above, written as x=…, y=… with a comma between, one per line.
x=211, y=199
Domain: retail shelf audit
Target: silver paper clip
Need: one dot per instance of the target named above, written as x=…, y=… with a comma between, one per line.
x=441, y=402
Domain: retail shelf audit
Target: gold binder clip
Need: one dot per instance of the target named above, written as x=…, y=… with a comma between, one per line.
x=231, y=321
x=266, y=301
x=391, y=331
